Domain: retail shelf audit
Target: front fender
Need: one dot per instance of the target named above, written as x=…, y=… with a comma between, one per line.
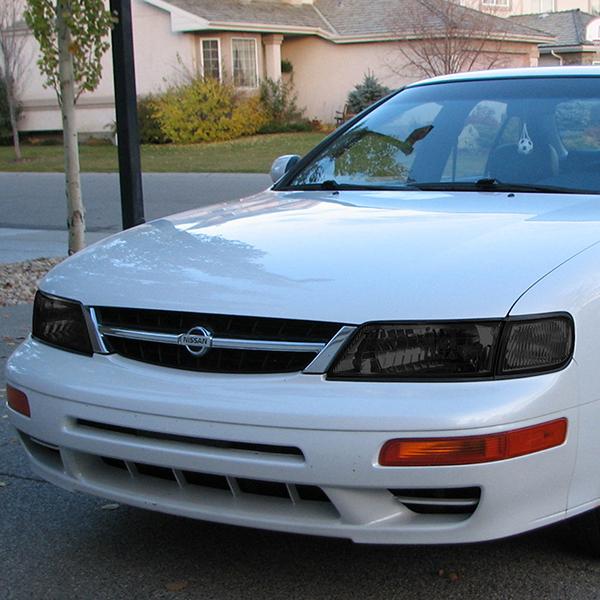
x=574, y=287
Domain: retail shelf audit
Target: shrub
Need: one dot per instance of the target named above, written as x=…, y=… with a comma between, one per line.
x=365, y=93
x=43, y=138
x=280, y=104
x=287, y=127
x=205, y=110
x=149, y=125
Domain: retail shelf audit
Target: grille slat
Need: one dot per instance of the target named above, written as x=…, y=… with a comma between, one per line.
x=232, y=326
x=233, y=486
x=216, y=360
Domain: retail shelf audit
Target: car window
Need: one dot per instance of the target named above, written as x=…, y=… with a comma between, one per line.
x=522, y=131
x=475, y=141
x=380, y=152
x=578, y=124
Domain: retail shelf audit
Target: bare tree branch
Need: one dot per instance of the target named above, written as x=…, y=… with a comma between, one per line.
x=441, y=37
x=14, y=60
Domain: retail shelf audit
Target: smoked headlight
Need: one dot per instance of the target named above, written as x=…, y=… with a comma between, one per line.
x=533, y=345
x=456, y=350
x=61, y=323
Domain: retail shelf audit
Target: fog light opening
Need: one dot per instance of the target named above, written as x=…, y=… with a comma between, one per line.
x=427, y=452
x=17, y=400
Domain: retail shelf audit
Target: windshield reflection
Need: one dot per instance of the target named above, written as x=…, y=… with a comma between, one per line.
x=538, y=132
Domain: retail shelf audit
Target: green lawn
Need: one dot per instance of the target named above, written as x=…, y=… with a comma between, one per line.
x=246, y=155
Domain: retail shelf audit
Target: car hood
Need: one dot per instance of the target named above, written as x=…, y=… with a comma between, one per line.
x=343, y=256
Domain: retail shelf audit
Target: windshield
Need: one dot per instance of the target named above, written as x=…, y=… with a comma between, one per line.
x=538, y=134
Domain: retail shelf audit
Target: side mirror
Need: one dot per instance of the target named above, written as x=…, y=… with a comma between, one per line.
x=282, y=165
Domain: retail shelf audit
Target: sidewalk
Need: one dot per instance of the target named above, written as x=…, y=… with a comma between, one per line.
x=17, y=245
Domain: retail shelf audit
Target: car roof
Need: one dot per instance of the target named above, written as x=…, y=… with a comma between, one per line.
x=523, y=73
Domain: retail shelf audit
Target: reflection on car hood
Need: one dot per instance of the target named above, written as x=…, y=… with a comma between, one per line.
x=348, y=257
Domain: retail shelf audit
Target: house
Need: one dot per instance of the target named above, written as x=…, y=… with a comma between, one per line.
x=577, y=37
x=506, y=8
x=330, y=45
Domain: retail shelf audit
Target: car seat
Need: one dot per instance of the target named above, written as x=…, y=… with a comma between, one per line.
x=508, y=165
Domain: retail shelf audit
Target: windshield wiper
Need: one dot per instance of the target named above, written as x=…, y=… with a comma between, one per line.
x=481, y=185
x=332, y=185
x=493, y=184
x=490, y=184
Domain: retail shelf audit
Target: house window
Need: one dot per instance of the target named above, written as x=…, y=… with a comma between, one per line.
x=245, y=63
x=545, y=6
x=211, y=59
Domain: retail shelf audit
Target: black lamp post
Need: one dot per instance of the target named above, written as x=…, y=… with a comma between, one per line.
x=130, y=171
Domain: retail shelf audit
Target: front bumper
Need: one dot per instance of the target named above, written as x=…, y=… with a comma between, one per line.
x=258, y=450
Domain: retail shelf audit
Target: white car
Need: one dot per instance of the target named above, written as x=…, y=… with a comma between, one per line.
x=399, y=342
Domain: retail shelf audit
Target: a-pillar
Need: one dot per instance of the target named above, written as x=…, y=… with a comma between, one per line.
x=272, y=44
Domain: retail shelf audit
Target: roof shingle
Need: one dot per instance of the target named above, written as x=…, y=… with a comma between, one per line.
x=343, y=18
x=568, y=26
x=380, y=17
x=256, y=12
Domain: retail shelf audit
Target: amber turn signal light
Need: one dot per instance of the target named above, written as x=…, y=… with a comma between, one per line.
x=427, y=452
x=17, y=400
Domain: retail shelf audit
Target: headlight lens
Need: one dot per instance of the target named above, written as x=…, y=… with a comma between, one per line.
x=415, y=351
x=460, y=350
x=536, y=345
x=61, y=323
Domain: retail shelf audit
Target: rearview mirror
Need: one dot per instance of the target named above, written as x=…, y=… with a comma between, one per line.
x=282, y=165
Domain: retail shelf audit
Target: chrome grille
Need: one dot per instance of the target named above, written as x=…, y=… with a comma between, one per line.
x=240, y=344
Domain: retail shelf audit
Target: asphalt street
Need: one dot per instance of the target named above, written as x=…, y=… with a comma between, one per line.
x=33, y=206
x=58, y=545
x=37, y=200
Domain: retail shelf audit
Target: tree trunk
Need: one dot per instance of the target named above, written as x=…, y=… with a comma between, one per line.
x=76, y=215
x=11, y=100
x=13, y=124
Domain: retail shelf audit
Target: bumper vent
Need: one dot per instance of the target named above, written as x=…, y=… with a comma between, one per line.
x=141, y=434
x=448, y=501
x=234, y=486
x=43, y=452
x=240, y=344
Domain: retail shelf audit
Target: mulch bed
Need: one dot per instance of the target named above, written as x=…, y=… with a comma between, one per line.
x=18, y=281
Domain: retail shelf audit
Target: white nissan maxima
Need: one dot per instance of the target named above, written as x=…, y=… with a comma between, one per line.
x=399, y=342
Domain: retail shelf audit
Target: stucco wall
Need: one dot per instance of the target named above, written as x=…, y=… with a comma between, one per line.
x=156, y=49
x=568, y=58
x=324, y=72
x=162, y=58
